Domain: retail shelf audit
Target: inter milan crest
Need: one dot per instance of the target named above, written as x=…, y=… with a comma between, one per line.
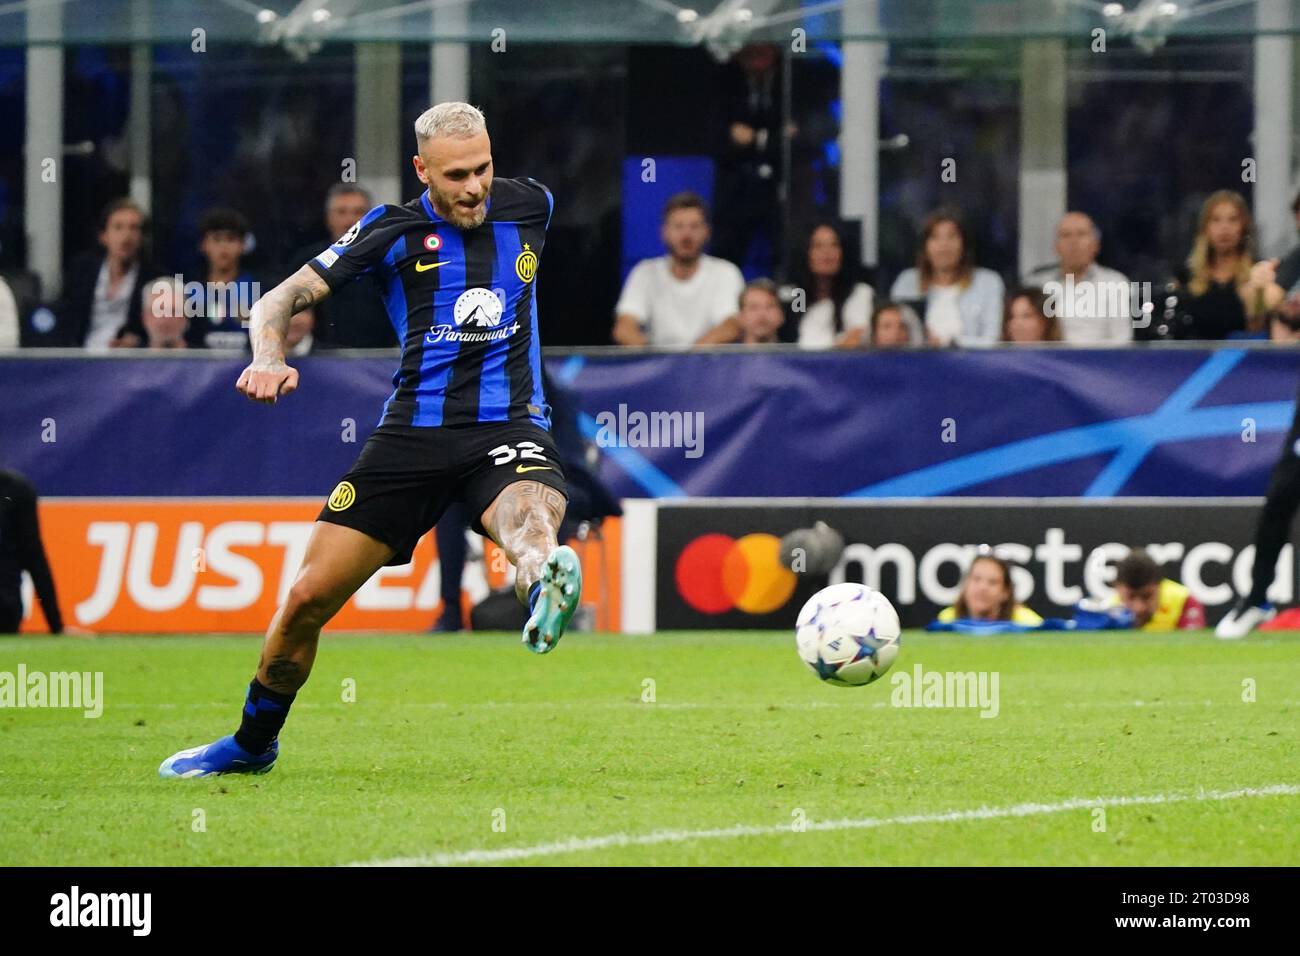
x=342, y=497
x=526, y=264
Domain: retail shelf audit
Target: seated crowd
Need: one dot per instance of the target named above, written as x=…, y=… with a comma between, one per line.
x=114, y=297
x=687, y=297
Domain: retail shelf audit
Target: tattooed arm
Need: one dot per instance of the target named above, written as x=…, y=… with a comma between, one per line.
x=267, y=377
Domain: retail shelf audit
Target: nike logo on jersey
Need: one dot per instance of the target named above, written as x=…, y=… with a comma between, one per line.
x=421, y=267
x=520, y=469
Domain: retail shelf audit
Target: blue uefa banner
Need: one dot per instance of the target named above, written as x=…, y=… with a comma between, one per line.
x=1001, y=423
x=165, y=426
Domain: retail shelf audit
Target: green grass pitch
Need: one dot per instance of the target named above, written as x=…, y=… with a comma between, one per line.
x=468, y=749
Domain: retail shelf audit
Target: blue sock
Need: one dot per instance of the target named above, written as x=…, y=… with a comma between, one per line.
x=264, y=714
x=535, y=590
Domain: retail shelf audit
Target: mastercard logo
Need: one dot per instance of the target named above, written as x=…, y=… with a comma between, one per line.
x=717, y=572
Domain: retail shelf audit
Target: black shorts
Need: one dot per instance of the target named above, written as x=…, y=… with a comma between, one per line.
x=405, y=477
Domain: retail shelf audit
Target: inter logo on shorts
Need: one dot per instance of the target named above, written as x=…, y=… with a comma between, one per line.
x=342, y=497
x=526, y=264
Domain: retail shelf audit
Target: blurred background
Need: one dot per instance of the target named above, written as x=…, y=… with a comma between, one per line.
x=185, y=106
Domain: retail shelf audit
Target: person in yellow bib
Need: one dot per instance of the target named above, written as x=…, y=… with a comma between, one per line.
x=1156, y=602
x=987, y=595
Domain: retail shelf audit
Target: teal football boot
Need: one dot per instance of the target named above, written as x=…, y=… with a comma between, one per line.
x=553, y=600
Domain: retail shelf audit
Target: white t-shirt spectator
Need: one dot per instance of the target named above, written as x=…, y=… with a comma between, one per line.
x=817, y=327
x=1098, y=306
x=677, y=312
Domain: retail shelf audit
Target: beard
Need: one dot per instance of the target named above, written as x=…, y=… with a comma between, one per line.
x=456, y=214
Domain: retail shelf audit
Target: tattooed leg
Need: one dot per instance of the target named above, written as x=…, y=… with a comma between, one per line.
x=338, y=561
x=524, y=520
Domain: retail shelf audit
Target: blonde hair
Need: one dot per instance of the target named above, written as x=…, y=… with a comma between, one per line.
x=1201, y=261
x=450, y=119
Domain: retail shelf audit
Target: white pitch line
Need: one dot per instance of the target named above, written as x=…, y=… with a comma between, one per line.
x=581, y=844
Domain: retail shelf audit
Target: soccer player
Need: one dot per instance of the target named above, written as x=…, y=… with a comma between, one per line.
x=467, y=420
x=1271, y=533
x=1280, y=505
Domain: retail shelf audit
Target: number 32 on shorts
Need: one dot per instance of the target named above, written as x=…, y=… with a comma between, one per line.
x=529, y=450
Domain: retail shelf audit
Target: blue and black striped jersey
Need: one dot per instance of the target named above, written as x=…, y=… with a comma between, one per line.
x=462, y=303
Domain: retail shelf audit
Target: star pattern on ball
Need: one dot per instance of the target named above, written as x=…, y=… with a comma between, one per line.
x=824, y=670
x=867, y=645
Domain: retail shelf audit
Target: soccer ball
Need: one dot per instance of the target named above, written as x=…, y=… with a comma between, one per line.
x=848, y=634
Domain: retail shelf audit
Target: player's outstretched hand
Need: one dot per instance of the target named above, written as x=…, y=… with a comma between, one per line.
x=266, y=381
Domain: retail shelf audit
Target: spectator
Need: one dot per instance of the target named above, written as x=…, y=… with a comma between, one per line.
x=1284, y=323
x=1222, y=293
x=353, y=317
x=987, y=594
x=836, y=305
x=301, y=338
x=1025, y=319
x=229, y=291
x=749, y=164
x=100, y=289
x=760, y=313
x=1157, y=603
x=894, y=325
x=1090, y=300
x=21, y=549
x=163, y=315
x=685, y=297
x=1288, y=269
x=961, y=302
